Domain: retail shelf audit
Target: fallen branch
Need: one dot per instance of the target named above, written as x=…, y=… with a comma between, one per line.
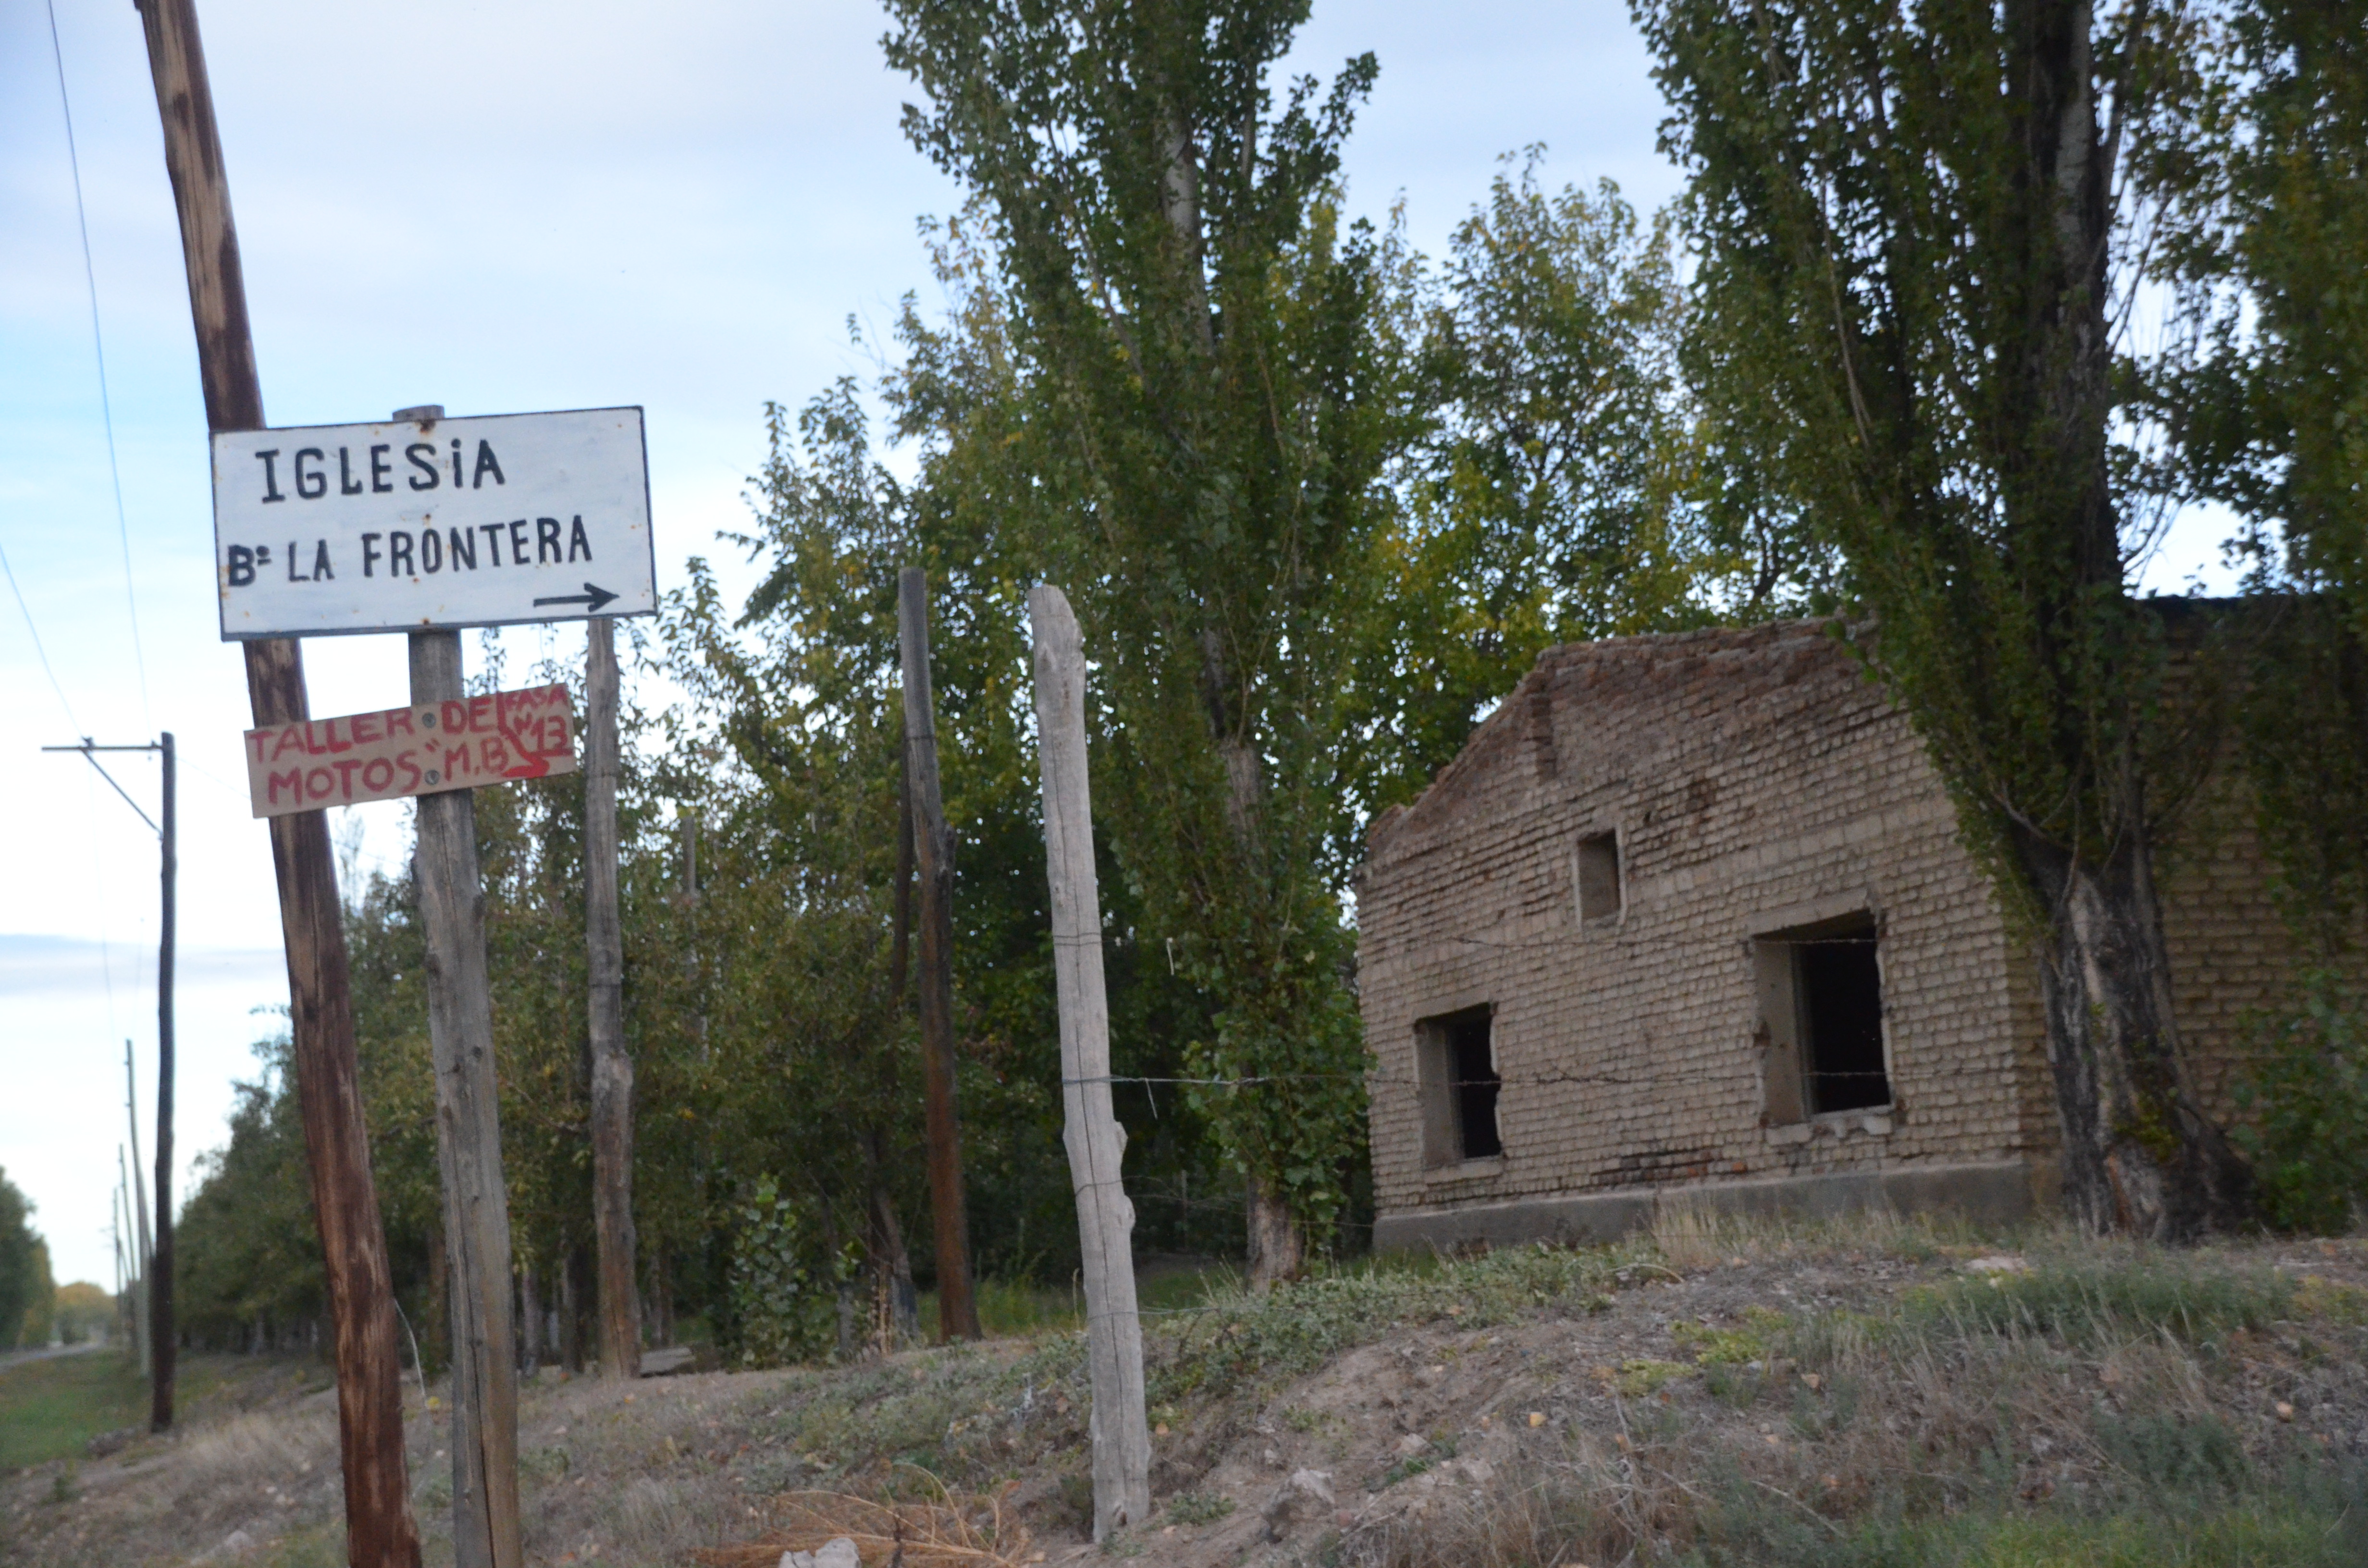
x=937, y=1534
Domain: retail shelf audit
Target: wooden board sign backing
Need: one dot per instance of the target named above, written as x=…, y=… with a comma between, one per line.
x=424, y=749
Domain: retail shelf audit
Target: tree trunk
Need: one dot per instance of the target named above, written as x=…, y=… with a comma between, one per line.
x=2140, y=1158
x=529, y=1322
x=891, y=1262
x=1277, y=1247
x=571, y=1311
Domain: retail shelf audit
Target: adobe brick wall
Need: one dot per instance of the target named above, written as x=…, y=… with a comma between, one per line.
x=1757, y=780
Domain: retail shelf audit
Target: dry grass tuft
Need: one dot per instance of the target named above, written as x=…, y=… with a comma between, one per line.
x=946, y=1533
x=265, y=1445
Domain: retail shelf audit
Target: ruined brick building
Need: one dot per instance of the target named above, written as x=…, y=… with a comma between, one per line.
x=1690, y=913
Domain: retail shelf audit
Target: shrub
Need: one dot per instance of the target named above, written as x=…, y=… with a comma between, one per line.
x=2308, y=1096
x=783, y=1290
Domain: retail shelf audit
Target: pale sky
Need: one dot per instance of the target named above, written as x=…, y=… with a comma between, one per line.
x=500, y=208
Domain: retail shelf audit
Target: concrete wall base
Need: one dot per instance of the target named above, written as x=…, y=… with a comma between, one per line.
x=1997, y=1192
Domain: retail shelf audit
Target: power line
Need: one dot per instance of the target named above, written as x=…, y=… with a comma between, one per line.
x=99, y=352
x=35, y=633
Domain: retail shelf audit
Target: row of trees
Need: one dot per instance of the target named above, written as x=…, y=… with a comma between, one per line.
x=1318, y=501
x=28, y=1295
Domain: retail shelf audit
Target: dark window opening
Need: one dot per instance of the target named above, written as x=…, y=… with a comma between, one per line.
x=1475, y=1085
x=1841, y=989
x=1598, y=876
x=1459, y=1088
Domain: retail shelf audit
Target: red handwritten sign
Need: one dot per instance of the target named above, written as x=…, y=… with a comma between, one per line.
x=400, y=752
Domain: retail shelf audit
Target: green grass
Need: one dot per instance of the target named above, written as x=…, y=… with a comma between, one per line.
x=49, y=1409
x=1018, y=1309
x=2268, y=1534
x=2099, y=1299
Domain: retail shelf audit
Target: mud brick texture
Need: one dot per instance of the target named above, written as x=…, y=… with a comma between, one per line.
x=1757, y=782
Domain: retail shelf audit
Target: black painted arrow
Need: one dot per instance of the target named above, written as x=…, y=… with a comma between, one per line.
x=591, y=598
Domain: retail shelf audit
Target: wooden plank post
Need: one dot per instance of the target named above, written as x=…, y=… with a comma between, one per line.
x=612, y=1068
x=1097, y=1143
x=379, y=1533
x=957, y=1308
x=160, y=1290
x=468, y=1145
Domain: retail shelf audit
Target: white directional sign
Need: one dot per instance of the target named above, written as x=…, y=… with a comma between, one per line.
x=327, y=528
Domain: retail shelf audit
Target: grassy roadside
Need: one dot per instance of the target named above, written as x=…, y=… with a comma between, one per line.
x=1852, y=1395
x=50, y=1408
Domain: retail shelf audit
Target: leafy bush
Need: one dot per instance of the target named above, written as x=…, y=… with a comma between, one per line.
x=2308, y=1093
x=783, y=1290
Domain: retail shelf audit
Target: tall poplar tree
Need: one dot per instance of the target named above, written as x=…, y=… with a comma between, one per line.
x=1909, y=248
x=2266, y=186
x=1214, y=413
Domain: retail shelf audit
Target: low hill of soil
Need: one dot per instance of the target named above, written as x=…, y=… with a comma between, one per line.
x=1880, y=1393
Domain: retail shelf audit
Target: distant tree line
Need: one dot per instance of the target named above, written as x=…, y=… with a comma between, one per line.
x=1958, y=306
x=28, y=1295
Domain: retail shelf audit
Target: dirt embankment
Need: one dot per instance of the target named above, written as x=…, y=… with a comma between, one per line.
x=1713, y=1392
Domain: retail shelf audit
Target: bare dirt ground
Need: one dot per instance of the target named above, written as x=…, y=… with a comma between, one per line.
x=1577, y=1408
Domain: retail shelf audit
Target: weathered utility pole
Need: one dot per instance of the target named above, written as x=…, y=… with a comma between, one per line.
x=612, y=1068
x=379, y=1533
x=158, y=1355
x=1097, y=1143
x=136, y=1238
x=485, y=1532
x=957, y=1311
x=160, y=1295
x=140, y=1209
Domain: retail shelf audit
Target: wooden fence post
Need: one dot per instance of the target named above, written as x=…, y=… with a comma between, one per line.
x=1097, y=1143
x=468, y=1147
x=957, y=1309
x=380, y=1531
x=612, y=1068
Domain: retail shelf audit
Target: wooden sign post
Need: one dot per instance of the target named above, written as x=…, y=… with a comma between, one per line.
x=1097, y=1143
x=486, y=1531
x=612, y=1068
x=379, y=1533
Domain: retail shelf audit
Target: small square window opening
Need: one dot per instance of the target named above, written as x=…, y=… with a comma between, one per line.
x=1598, y=876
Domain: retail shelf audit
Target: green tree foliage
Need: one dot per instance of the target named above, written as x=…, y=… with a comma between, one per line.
x=1216, y=408
x=2265, y=190
x=247, y=1256
x=26, y=1292
x=84, y=1312
x=2309, y=1091
x=783, y=1299
x=1317, y=507
x=1910, y=249
x=1566, y=486
x=805, y=685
